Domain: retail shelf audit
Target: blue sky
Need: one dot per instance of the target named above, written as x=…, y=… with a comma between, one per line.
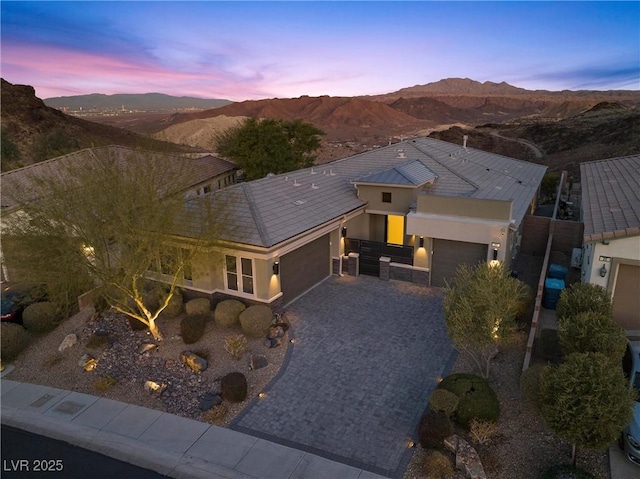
x=252, y=50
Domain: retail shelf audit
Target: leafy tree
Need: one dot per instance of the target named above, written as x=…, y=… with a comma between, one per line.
x=480, y=307
x=592, y=332
x=586, y=400
x=549, y=185
x=266, y=146
x=112, y=222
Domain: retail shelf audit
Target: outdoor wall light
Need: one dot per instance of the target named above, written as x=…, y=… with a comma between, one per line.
x=603, y=271
x=262, y=395
x=421, y=242
x=276, y=268
x=495, y=255
x=495, y=245
x=344, y=231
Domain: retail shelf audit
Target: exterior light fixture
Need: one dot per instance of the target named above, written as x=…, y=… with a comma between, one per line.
x=495, y=245
x=292, y=341
x=276, y=268
x=344, y=231
x=495, y=255
x=262, y=395
x=421, y=242
x=603, y=270
x=411, y=444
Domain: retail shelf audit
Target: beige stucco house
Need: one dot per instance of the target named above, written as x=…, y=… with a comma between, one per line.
x=611, y=242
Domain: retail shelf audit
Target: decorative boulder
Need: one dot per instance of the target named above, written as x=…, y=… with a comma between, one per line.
x=209, y=400
x=275, y=332
x=193, y=361
x=146, y=348
x=198, y=306
x=257, y=362
x=227, y=312
x=68, y=341
x=256, y=320
x=234, y=387
x=87, y=362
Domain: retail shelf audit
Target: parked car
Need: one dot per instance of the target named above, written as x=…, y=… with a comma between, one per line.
x=17, y=297
x=630, y=439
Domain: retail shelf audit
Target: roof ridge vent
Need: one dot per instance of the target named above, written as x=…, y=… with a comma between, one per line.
x=286, y=178
x=314, y=186
x=312, y=171
x=331, y=172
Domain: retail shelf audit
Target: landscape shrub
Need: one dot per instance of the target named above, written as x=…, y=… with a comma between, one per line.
x=174, y=308
x=482, y=431
x=104, y=384
x=530, y=385
x=227, y=312
x=39, y=318
x=192, y=328
x=583, y=297
x=477, y=398
x=236, y=346
x=525, y=303
x=198, y=306
x=548, y=346
x=255, y=320
x=434, y=428
x=437, y=465
x=14, y=338
x=566, y=471
x=592, y=332
x=233, y=387
x=215, y=413
x=443, y=400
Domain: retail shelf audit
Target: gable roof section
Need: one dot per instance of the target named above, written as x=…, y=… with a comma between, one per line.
x=18, y=183
x=268, y=211
x=413, y=174
x=611, y=198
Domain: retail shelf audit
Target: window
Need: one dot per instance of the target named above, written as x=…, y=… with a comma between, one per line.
x=386, y=197
x=207, y=189
x=239, y=274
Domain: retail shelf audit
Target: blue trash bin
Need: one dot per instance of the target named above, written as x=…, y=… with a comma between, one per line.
x=557, y=271
x=552, y=289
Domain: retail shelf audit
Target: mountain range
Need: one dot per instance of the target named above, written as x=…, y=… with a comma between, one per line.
x=126, y=101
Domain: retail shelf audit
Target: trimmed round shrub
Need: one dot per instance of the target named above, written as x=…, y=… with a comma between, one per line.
x=445, y=401
x=437, y=465
x=192, y=328
x=174, y=308
x=477, y=398
x=583, y=297
x=233, y=387
x=198, y=306
x=566, y=471
x=14, y=338
x=548, y=346
x=434, y=428
x=227, y=312
x=592, y=332
x=255, y=320
x=530, y=384
x=39, y=318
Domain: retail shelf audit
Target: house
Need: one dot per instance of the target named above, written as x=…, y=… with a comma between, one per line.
x=197, y=176
x=410, y=211
x=611, y=243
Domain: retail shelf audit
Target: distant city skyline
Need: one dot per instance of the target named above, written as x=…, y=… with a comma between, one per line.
x=254, y=50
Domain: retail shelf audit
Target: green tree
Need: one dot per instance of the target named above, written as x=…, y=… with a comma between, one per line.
x=266, y=146
x=592, y=332
x=480, y=308
x=586, y=401
x=113, y=222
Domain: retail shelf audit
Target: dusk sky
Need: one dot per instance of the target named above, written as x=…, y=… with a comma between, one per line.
x=252, y=50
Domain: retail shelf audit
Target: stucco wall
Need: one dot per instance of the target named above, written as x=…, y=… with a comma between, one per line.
x=401, y=198
x=468, y=207
x=623, y=249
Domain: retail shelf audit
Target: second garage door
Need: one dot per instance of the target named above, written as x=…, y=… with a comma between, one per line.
x=626, y=301
x=305, y=267
x=447, y=255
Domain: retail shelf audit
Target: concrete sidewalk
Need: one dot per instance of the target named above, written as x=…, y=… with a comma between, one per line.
x=171, y=445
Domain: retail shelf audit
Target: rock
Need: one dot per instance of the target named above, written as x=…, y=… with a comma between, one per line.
x=227, y=312
x=282, y=325
x=275, y=332
x=274, y=343
x=257, y=362
x=68, y=341
x=154, y=387
x=146, y=347
x=209, y=400
x=467, y=458
x=193, y=361
x=88, y=362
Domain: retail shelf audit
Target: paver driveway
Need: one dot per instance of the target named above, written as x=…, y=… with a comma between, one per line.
x=355, y=383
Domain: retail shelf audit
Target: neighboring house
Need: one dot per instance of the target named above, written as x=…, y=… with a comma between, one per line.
x=611, y=243
x=411, y=211
x=199, y=176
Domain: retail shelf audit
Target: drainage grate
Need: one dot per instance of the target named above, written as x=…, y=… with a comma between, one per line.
x=42, y=401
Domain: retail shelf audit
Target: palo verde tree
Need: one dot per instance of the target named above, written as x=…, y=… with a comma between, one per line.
x=113, y=220
x=586, y=400
x=263, y=146
x=480, y=308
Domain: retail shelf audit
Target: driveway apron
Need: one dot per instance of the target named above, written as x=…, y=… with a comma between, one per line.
x=367, y=356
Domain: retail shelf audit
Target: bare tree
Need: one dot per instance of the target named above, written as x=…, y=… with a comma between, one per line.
x=118, y=220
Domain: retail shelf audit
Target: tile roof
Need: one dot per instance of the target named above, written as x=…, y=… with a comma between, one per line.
x=19, y=183
x=413, y=173
x=611, y=198
x=271, y=210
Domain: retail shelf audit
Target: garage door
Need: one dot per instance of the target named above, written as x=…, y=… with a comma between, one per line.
x=626, y=301
x=305, y=267
x=447, y=255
